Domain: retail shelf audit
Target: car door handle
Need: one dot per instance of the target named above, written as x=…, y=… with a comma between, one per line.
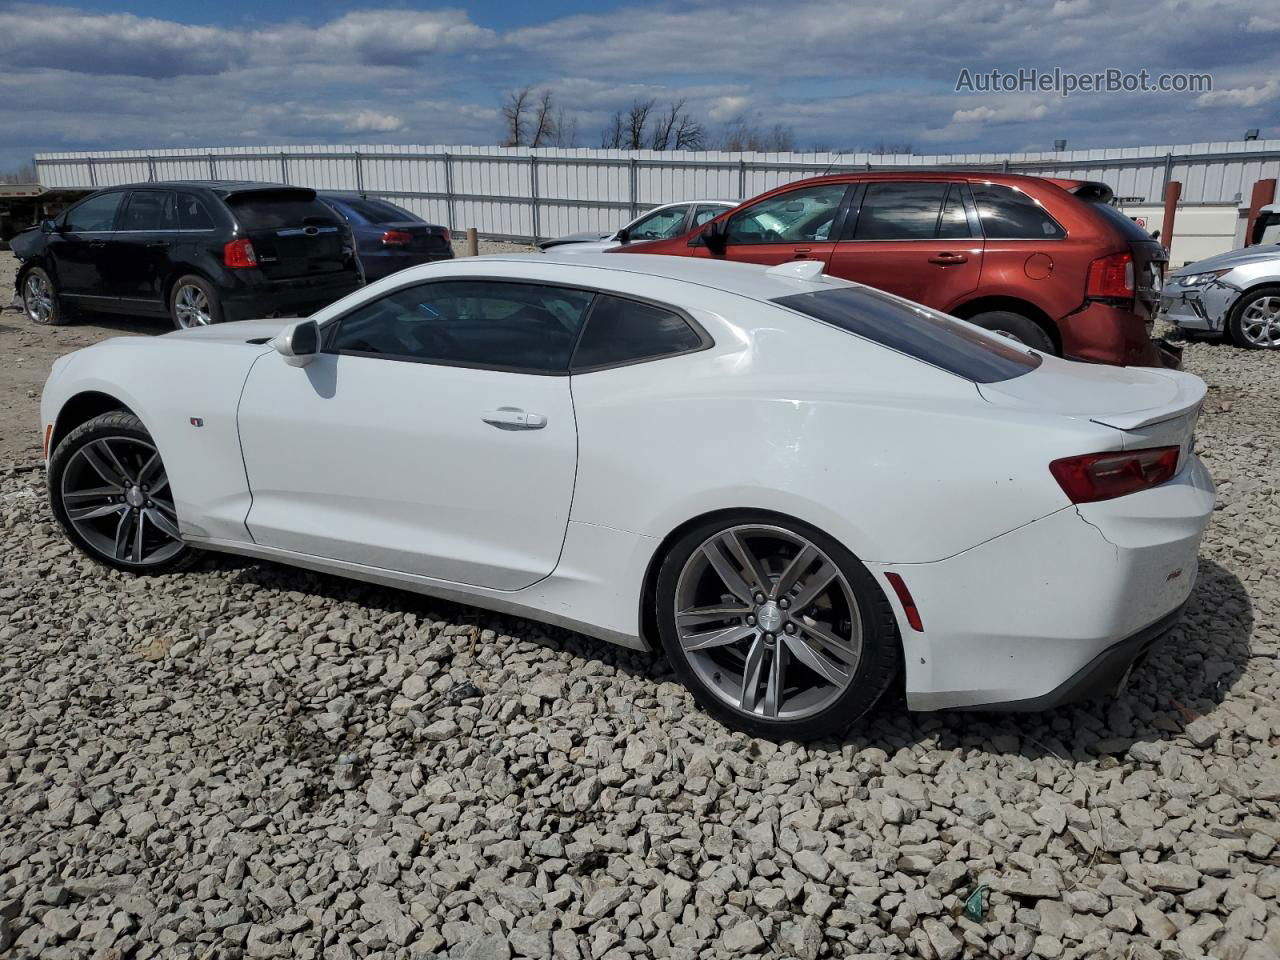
x=97, y=243
x=512, y=418
x=946, y=259
x=801, y=253
x=157, y=244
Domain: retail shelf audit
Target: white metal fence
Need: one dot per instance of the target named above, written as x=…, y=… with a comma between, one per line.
x=521, y=193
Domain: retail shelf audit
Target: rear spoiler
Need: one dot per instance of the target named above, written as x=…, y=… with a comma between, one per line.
x=1191, y=393
x=1090, y=191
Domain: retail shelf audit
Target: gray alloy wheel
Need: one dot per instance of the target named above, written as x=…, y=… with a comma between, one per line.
x=1259, y=323
x=1016, y=327
x=116, y=496
x=768, y=622
x=39, y=299
x=191, y=307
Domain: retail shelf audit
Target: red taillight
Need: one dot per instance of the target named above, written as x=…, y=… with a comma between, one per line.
x=239, y=253
x=448, y=237
x=1104, y=476
x=908, y=604
x=1111, y=277
x=397, y=238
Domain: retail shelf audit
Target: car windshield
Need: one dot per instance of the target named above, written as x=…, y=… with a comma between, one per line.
x=917, y=331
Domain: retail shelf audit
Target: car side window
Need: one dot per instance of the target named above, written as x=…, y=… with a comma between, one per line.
x=192, y=213
x=798, y=216
x=897, y=210
x=626, y=331
x=1009, y=214
x=149, y=210
x=95, y=215
x=524, y=327
x=707, y=212
x=660, y=224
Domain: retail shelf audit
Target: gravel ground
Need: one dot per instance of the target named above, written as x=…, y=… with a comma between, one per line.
x=249, y=760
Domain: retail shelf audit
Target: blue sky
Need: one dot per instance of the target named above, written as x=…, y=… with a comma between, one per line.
x=100, y=74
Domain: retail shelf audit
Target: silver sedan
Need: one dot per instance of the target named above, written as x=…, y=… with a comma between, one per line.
x=1234, y=294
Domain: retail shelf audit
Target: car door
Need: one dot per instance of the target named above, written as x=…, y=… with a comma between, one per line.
x=796, y=225
x=918, y=239
x=139, y=250
x=78, y=248
x=434, y=435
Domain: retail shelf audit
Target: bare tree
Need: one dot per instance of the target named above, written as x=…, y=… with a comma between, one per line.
x=675, y=129
x=882, y=148
x=26, y=173
x=566, y=134
x=741, y=135
x=637, y=122
x=544, y=121
x=611, y=138
x=514, y=110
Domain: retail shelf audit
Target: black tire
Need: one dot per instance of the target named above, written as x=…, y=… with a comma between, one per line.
x=178, y=297
x=45, y=307
x=880, y=660
x=1236, y=323
x=72, y=473
x=1016, y=327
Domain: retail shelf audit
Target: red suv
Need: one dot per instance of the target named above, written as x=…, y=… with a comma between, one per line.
x=1048, y=262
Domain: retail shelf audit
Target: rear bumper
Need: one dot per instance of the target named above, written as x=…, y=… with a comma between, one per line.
x=1043, y=614
x=1101, y=333
x=293, y=297
x=377, y=264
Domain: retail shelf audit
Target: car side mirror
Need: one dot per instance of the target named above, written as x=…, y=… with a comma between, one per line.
x=298, y=343
x=49, y=226
x=715, y=235
x=623, y=235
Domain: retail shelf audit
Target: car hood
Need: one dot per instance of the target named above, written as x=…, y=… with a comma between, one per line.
x=1122, y=397
x=239, y=330
x=1234, y=258
x=25, y=242
x=583, y=237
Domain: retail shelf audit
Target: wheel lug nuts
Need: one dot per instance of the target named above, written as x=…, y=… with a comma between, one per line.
x=759, y=598
x=789, y=628
x=784, y=603
x=769, y=638
x=751, y=620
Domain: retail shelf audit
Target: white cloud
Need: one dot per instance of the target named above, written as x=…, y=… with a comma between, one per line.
x=1263, y=24
x=1250, y=96
x=1001, y=113
x=726, y=108
x=369, y=120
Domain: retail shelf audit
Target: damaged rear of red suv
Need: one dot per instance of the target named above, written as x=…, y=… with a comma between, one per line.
x=1049, y=262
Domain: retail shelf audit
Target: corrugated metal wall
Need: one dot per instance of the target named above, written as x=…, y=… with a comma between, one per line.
x=521, y=193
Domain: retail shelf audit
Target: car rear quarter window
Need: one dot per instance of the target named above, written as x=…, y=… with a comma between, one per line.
x=268, y=210
x=94, y=215
x=193, y=214
x=1009, y=214
x=621, y=331
x=909, y=211
x=917, y=331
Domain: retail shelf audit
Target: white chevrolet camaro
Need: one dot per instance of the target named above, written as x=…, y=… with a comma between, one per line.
x=800, y=488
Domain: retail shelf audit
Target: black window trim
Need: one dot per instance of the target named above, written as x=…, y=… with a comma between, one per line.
x=333, y=324
x=1045, y=210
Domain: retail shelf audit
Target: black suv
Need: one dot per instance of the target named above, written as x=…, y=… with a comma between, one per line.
x=198, y=252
